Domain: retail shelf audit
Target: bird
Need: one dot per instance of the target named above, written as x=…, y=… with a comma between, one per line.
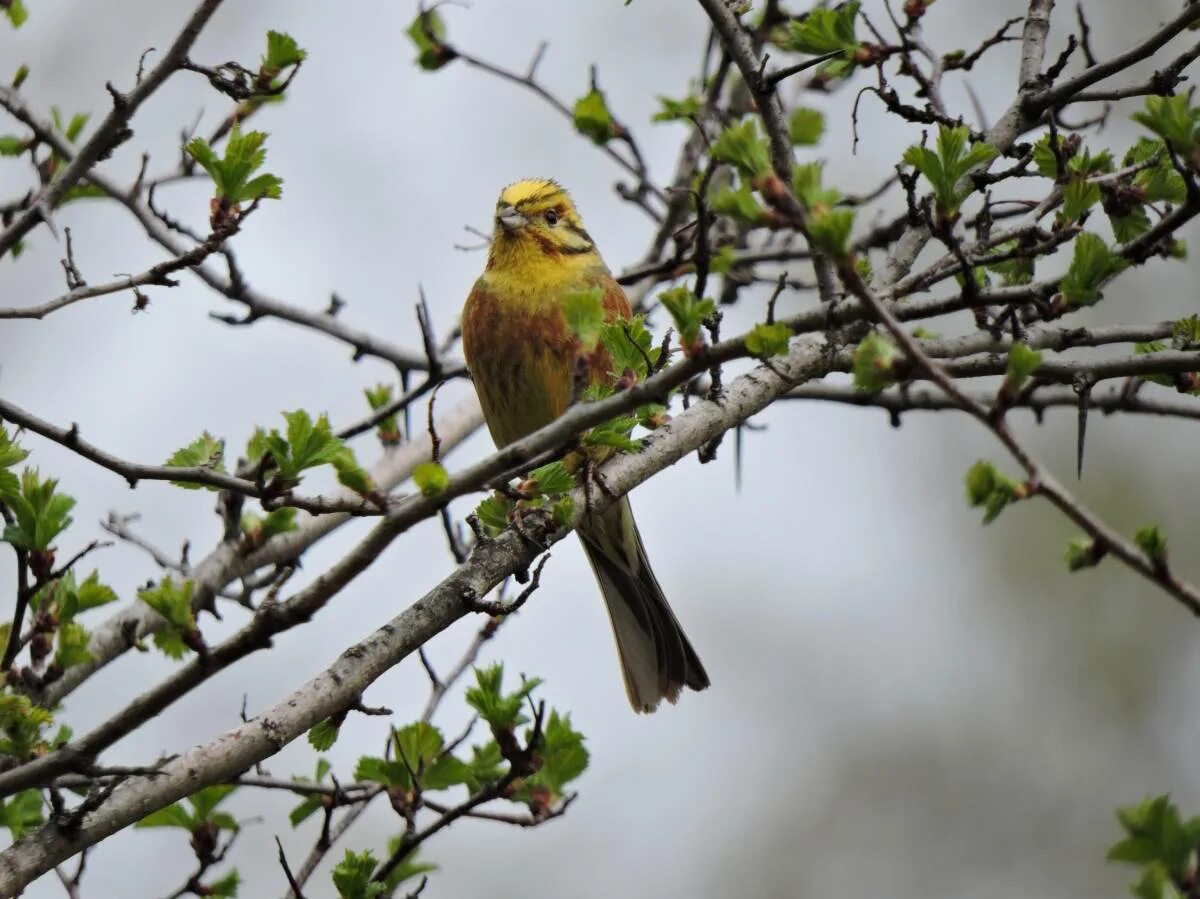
x=522, y=358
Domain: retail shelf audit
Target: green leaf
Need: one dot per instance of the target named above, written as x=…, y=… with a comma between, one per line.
x=676, y=110
x=282, y=53
x=428, y=34
x=206, y=451
x=92, y=594
x=16, y=12
x=73, y=640
x=174, y=603
x=492, y=513
x=829, y=230
x=307, y=445
x=768, y=340
x=824, y=30
x=874, y=363
x=486, y=765
x=409, y=868
x=1155, y=833
x=688, y=312
x=740, y=204
x=22, y=813
x=987, y=487
x=808, y=185
x=352, y=876
x=11, y=145
x=1078, y=197
x=431, y=478
x=352, y=475
x=1171, y=118
x=592, y=117
x=946, y=169
x=390, y=772
x=304, y=811
x=563, y=755
x=322, y=735
x=76, y=125
x=234, y=174
x=226, y=887
x=1013, y=271
x=1081, y=553
x=613, y=434
x=741, y=146
x=1130, y=227
x=630, y=346
x=1022, y=362
x=1092, y=266
x=563, y=511
x=1153, y=543
x=205, y=801
x=806, y=126
x=583, y=311
x=21, y=726
x=40, y=512
x=417, y=744
x=552, y=479
x=502, y=711
x=171, y=816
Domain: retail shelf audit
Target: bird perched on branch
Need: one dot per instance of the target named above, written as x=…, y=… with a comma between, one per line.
x=523, y=359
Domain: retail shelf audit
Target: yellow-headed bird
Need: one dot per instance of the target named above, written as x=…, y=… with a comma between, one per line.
x=522, y=358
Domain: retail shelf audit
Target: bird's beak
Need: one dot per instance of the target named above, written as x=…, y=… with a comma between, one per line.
x=509, y=219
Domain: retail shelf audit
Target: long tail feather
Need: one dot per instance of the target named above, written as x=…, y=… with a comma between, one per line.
x=656, y=657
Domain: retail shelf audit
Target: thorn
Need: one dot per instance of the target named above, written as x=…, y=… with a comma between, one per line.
x=1083, y=387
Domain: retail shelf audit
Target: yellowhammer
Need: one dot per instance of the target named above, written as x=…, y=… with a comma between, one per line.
x=522, y=358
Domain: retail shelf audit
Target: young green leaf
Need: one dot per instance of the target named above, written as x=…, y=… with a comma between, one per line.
x=352, y=876
x=593, y=118
x=1092, y=266
x=1022, y=362
x=766, y=340
x=630, y=346
x=824, y=30
x=323, y=734
x=829, y=230
x=73, y=640
x=946, y=169
x=174, y=603
x=206, y=451
x=805, y=126
x=688, y=312
x=564, y=758
x=428, y=34
x=1078, y=197
x=282, y=52
x=740, y=204
x=1173, y=119
x=11, y=145
x=492, y=514
x=1153, y=543
x=741, y=146
x=234, y=175
x=1157, y=834
x=21, y=726
x=552, y=479
x=1082, y=552
x=224, y=888
x=677, y=110
x=502, y=711
x=874, y=363
x=39, y=511
x=22, y=813
x=987, y=487
x=16, y=12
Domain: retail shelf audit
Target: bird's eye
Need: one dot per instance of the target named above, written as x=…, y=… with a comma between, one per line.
x=551, y=217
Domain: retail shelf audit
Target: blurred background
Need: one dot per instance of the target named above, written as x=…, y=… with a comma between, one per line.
x=904, y=702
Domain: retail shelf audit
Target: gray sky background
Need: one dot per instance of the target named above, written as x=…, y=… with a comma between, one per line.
x=904, y=703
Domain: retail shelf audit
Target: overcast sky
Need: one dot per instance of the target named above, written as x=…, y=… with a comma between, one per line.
x=904, y=703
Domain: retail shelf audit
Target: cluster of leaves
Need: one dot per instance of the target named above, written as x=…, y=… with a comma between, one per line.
x=173, y=601
x=57, y=606
x=352, y=875
x=23, y=726
x=993, y=490
x=593, y=119
x=875, y=362
x=234, y=174
x=828, y=226
x=304, y=444
x=548, y=487
x=947, y=168
x=379, y=397
x=825, y=30
x=1093, y=264
x=15, y=12
x=689, y=313
x=419, y=760
x=428, y=34
x=1162, y=845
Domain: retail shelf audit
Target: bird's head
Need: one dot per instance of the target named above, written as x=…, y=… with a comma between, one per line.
x=535, y=219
